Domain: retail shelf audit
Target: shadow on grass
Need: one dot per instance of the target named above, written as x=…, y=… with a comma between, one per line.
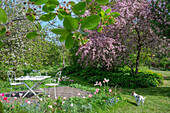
x=154, y=91
x=167, y=78
x=132, y=103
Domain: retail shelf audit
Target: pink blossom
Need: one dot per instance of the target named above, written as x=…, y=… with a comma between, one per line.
x=90, y=95
x=97, y=90
x=110, y=90
x=94, y=92
x=12, y=107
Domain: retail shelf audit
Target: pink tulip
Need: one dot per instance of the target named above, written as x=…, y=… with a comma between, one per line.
x=110, y=90
x=97, y=90
x=2, y=94
x=5, y=98
x=90, y=95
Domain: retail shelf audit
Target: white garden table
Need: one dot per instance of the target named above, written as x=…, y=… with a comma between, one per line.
x=37, y=80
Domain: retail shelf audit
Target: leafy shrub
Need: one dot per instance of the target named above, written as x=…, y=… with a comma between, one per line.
x=121, y=77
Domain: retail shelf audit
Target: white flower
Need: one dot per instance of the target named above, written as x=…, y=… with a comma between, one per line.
x=13, y=94
x=83, y=97
x=71, y=105
x=48, y=95
x=50, y=106
x=20, y=94
x=15, y=98
x=78, y=93
x=29, y=102
x=64, y=98
x=41, y=99
x=63, y=102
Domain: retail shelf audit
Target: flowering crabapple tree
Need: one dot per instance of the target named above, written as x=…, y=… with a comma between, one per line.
x=161, y=18
x=124, y=40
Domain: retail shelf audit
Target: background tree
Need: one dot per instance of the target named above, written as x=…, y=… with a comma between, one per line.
x=129, y=36
x=160, y=18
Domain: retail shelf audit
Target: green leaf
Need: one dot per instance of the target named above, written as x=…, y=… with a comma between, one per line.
x=102, y=2
x=45, y=8
x=38, y=2
x=31, y=35
x=69, y=41
x=32, y=17
x=100, y=29
x=70, y=23
x=2, y=30
x=63, y=12
x=3, y=16
x=38, y=25
x=1, y=106
x=115, y=14
x=48, y=8
x=48, y=17
x=60, y=31
x=80, y=8
x=60, y=17
x=72, y=3
x=108, y=10
x=62, y=38
x=54, y=2
x=1, y=44
x=90, y=22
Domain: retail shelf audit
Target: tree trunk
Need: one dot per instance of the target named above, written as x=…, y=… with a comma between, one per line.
x=63, y=61
x=137, y=59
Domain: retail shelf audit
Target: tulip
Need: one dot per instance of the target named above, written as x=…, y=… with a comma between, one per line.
x=2, y=94
x=90, y=95
x=110, y=90
x=5, y=98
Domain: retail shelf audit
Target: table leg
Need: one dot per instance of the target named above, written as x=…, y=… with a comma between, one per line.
x=30, y=89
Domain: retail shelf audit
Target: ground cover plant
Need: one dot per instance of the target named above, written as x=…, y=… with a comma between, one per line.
x=121, y=76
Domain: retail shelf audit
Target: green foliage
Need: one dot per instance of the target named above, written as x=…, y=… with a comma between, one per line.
x=102, y=1
x=90, y=22
x=70, y=23
x=38, y=2
x=38, y=25
x=30, y=16
x=62, y=32
x=2, y=30
x=79, y=9
x=50, y=5
x=23, y=112
x=31, y=35
x=48, y=17
x=165, y=63
x=1, y=43
x=121, y=76
x=69, y=41
x=1, y=108
x=3, y=16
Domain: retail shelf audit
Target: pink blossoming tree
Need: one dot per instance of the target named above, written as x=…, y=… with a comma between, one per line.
x=123, y=41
